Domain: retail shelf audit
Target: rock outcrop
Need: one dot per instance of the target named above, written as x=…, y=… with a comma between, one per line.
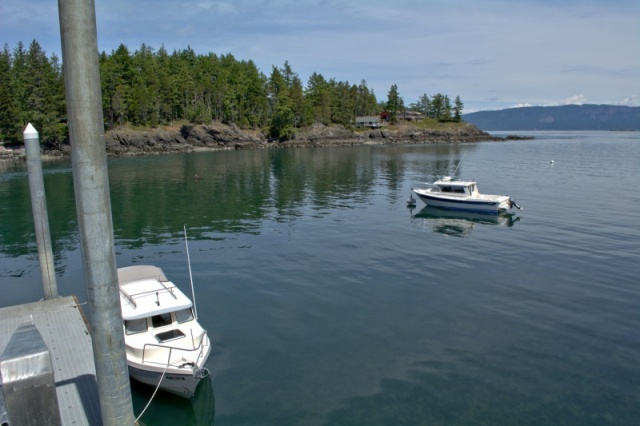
x=218, y=136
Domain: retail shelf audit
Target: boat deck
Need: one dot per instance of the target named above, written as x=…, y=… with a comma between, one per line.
x=62, y=325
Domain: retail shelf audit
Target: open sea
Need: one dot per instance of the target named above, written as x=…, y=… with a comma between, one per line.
x=329, y=302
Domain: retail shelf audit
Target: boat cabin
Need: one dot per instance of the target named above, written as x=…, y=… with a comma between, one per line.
x=142, y=325
x=462, y=187
x=150, y=301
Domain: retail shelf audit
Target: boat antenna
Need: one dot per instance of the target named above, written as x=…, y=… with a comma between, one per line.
x=460, y=162
x=193, y=293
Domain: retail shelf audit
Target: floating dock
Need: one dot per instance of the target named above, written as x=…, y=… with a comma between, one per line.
x=64, y=329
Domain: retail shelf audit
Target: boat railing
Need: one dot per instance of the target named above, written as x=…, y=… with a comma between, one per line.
x=169, y=289
x=199, y=349
x=130, y=297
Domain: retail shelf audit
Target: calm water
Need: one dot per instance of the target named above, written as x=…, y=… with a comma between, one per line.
x=331, y=303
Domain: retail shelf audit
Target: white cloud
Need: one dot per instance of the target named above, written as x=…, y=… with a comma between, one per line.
x=575, y=100
x=496, y=54
x=524, y=105
x=630, y=101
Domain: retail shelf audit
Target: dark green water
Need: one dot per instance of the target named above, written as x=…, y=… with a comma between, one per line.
x=330, y=303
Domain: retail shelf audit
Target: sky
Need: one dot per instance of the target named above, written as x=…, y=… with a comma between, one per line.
x=494, y=54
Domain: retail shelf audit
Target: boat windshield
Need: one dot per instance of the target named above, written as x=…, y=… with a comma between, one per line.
x=161, y=320
x=135, y=326
x=184, y=315
x=454, y=189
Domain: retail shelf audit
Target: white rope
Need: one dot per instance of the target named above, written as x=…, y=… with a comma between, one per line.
x=154, y=393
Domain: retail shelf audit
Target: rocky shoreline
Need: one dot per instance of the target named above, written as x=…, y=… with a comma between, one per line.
x=218, y=136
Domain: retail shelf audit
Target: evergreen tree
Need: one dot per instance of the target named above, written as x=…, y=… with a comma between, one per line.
x=424, y=104
x=302, y=116
x=446, y=115
x=41, y=105
x=282, y=123
x=457, y=109
x=343, y=103
x=254, y=99
x=395, y=104
x=149, y=88
x=144, y=108
x=166, y=93
x=9, y=126
x=319, y=98
x=116, y=77
x=437, y=106
x=365, y=101
x=21, y=83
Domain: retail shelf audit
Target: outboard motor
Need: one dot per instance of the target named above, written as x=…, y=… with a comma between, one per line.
x=513, y=204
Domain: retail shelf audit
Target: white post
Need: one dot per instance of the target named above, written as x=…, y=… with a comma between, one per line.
x=39, y=208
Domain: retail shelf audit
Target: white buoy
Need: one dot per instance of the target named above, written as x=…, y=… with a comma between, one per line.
x=551, y=161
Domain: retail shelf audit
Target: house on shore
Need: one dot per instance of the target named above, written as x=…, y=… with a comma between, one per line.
x=372, y=122
x=376, y=121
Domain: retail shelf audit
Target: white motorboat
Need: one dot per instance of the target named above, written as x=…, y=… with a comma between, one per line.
x=463, y=195
x=165, y=344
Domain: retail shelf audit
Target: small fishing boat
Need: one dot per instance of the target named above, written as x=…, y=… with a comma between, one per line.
x=463, y=195
x=165, y=345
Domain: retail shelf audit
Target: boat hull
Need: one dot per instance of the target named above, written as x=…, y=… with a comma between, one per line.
x=181, y=384
x=491, y=206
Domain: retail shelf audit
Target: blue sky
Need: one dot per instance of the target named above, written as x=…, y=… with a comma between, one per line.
x=494, y=54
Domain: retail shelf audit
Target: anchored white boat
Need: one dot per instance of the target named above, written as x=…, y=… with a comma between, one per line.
x=463, y=195
x=164, y=342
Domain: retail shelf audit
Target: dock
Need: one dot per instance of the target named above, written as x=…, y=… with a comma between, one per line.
x=63, y=327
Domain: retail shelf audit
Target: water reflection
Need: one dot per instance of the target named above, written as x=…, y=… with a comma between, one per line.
x=152, y=198
x=168, y=409
x=460, y=224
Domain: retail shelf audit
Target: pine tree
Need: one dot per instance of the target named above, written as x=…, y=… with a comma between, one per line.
x=424, y=104
x=281, y=125
x=150, y=88
x=395, y=104
x=319, y=97
x=9, y=126
x=457, y=109
x=365, y=101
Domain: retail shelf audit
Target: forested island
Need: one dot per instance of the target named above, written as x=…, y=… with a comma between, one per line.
x=156, y=101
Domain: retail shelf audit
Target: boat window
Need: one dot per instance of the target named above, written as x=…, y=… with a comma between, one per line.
x=184, y=315
x=169, y=335
x=458, y=190
x=161, y=320
x=135, y=326
x=446, y=189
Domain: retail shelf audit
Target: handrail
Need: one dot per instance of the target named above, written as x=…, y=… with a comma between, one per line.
x=200, y=347
x=143, y=293
x=167, y=288
x=129, y=298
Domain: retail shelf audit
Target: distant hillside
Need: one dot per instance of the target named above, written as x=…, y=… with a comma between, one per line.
x=567, y=117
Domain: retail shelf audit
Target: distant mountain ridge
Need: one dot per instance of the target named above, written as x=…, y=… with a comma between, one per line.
x=566, y=117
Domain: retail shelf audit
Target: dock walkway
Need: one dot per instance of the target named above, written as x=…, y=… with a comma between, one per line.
x=61, y=324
